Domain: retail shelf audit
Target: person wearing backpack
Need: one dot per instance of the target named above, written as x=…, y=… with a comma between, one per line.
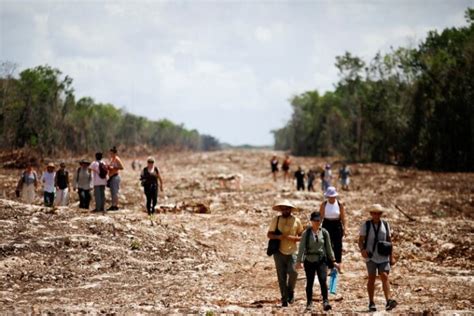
x=61, y=182
x=82, y=183
x=334, y=221
x=314, y=252
x=376, y=248
x=149, y=179
x=115, y=164
x=287, y=229
x=99, y=179
x=27, y=185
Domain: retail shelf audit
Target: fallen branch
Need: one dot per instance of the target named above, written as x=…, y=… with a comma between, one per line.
x=411, y=219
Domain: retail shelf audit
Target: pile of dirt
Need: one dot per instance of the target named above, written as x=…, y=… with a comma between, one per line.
x=205, y=251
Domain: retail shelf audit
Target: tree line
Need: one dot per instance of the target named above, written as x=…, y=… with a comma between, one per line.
x=38, y=110
x=411, y=106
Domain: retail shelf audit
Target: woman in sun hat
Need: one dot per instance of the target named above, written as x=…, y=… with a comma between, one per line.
x=290, y=229
x=371, y=233
x=334, y=220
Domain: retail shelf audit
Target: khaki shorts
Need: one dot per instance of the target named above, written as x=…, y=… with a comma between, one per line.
x=373, y=267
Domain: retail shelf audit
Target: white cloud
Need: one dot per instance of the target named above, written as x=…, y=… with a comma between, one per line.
x=263, y=34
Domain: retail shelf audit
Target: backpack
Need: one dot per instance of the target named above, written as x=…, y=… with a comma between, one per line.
x=384, y=247
x=103, y=171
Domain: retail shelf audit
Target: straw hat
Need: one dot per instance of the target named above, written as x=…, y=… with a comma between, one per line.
x=50, y=165
x=376, y=208
x=284, y=204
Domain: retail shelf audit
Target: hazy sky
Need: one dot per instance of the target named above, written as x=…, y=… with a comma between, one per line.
x=225, y=68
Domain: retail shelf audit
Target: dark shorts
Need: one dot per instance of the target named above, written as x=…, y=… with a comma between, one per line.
x=373, y=267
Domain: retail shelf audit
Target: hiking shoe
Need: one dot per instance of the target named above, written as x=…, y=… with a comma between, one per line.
x=391, y=304
x=284, y=304
x=309, y=306
x=326, y=305
x=291, y=300
x=372, y=307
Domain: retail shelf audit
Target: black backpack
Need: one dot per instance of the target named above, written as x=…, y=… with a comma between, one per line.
x=103, y=171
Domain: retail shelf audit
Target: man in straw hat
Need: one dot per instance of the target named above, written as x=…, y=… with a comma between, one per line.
x=373, y=232
x=291, y=229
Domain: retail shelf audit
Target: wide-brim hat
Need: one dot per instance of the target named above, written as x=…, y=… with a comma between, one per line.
x=84, y=162
x=279, y=206
x=50, y=165
x=376, y=208
x=331, y=192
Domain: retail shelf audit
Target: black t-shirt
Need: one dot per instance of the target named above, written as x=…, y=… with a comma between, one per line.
x=299, y=175
x=62, y=179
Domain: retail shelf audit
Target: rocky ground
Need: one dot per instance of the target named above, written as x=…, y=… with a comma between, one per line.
x=205, y=253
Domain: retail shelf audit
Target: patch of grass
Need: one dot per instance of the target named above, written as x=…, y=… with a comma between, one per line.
x=135, y=244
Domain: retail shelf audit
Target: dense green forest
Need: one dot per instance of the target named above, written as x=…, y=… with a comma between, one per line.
x=38, y=110
x=412, y=106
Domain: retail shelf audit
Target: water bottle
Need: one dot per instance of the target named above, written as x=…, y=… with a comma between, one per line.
x=333, y=281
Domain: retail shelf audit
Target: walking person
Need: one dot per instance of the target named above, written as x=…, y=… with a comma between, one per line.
x=376, y=248
x=274, y=167
x=151, y=180
x=344, y=174
x=61, y=182
x=299, y=176
x=326, y=177
x=113, y=183
x=27, y=185
x=314, y=252
x=288, y=229
x=82, y=182
x=334, y=221
x=49, y=188
x=99, y=179
x=285, y=166
x=311, y=178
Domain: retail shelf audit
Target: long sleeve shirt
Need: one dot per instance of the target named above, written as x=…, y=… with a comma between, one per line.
x=319, y=246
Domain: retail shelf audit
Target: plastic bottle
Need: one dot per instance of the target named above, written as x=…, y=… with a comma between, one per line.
x=333, y=281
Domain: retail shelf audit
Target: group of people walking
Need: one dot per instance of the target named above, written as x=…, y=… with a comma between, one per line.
x=320, y=247
x=89, y=176
x=309, y=177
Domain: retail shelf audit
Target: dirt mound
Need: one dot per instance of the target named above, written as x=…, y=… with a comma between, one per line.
x=205, y=252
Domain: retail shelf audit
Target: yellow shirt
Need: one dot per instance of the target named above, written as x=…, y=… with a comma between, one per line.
x=287, y=226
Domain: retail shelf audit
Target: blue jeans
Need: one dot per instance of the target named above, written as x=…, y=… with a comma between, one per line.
x=99, y=195
x=287, y=274
x=84, y=198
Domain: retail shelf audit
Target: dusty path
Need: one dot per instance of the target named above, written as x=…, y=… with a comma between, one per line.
x=69, y=260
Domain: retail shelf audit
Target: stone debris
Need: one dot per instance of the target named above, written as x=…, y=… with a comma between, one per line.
x=204, y=252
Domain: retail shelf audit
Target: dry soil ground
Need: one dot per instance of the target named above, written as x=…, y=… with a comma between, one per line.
x=68, y=260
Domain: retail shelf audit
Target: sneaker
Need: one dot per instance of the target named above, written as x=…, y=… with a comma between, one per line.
x=284, y=304
x=391, y=304
x=309, y=306
x=326, y=305
x=372, y=307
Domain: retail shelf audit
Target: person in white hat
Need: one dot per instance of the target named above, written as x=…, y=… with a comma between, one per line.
x=334, y=221
x=375, y=247
x=288, y=229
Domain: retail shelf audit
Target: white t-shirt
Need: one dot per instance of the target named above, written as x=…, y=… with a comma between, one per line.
x=96, y=179
x=48, y=181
